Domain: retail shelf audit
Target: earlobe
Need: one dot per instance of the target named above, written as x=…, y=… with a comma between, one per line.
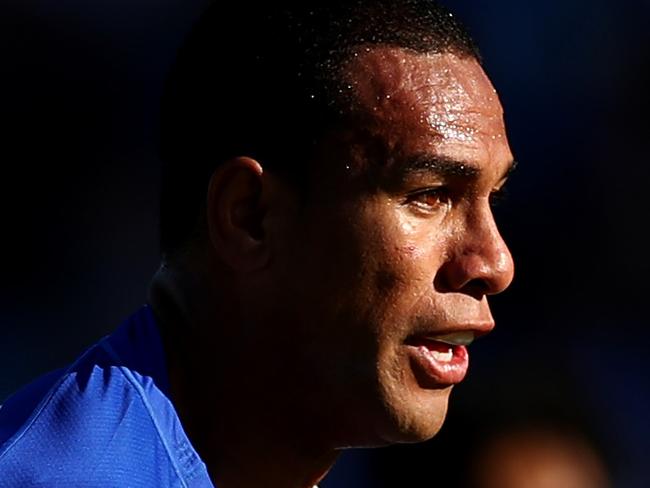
x=235, y=213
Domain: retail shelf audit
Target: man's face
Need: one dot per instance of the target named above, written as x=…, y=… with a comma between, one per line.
x=386, y=273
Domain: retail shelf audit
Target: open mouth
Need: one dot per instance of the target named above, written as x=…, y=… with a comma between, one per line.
x=440, y=360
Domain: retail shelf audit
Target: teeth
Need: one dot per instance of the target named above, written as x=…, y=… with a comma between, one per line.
x=463, y=338
x=443, y=357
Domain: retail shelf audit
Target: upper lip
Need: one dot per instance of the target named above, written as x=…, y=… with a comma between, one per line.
x=478, y=328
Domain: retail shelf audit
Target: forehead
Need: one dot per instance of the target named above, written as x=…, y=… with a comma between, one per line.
x=435, y=104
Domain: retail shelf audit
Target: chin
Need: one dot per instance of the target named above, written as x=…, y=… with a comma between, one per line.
x=417, y=417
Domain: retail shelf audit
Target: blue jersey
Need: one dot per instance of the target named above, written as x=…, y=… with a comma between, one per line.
x=105, y=421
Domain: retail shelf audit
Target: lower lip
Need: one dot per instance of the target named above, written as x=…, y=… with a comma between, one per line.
x=433, y=372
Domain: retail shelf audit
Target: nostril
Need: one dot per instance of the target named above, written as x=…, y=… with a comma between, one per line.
x=441, y=282
x=477, y=288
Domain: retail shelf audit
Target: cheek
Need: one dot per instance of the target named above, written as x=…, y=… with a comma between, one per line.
x=405, y=267
x=373, y=265
x=416, y=248
x=412, y=252
x=413, y=255
x=404, y=277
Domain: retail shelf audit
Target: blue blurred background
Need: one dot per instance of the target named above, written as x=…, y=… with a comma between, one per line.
x=79, y=89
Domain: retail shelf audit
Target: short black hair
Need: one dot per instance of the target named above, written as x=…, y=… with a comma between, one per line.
x=261, y=81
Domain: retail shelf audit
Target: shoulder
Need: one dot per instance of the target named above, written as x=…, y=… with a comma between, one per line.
x=97, y=423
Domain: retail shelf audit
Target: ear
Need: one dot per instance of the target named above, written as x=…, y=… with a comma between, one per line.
x=235, y=214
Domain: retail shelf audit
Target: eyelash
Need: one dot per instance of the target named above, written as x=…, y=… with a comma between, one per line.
x=440, y=194
x=443, y=196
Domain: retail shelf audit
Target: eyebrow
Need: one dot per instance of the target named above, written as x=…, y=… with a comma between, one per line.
x=447, y=167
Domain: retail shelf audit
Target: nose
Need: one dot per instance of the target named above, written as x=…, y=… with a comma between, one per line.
x=478, y=260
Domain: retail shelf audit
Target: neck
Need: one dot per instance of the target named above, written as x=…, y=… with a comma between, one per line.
x=235, y=417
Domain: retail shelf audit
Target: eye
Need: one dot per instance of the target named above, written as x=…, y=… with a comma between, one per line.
x=430, y=199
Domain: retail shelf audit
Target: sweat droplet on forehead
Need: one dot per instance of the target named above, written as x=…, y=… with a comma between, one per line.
x=431, y=96
x=392, y=70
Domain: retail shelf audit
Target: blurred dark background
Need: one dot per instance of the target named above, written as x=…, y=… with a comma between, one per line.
x=79, y=89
